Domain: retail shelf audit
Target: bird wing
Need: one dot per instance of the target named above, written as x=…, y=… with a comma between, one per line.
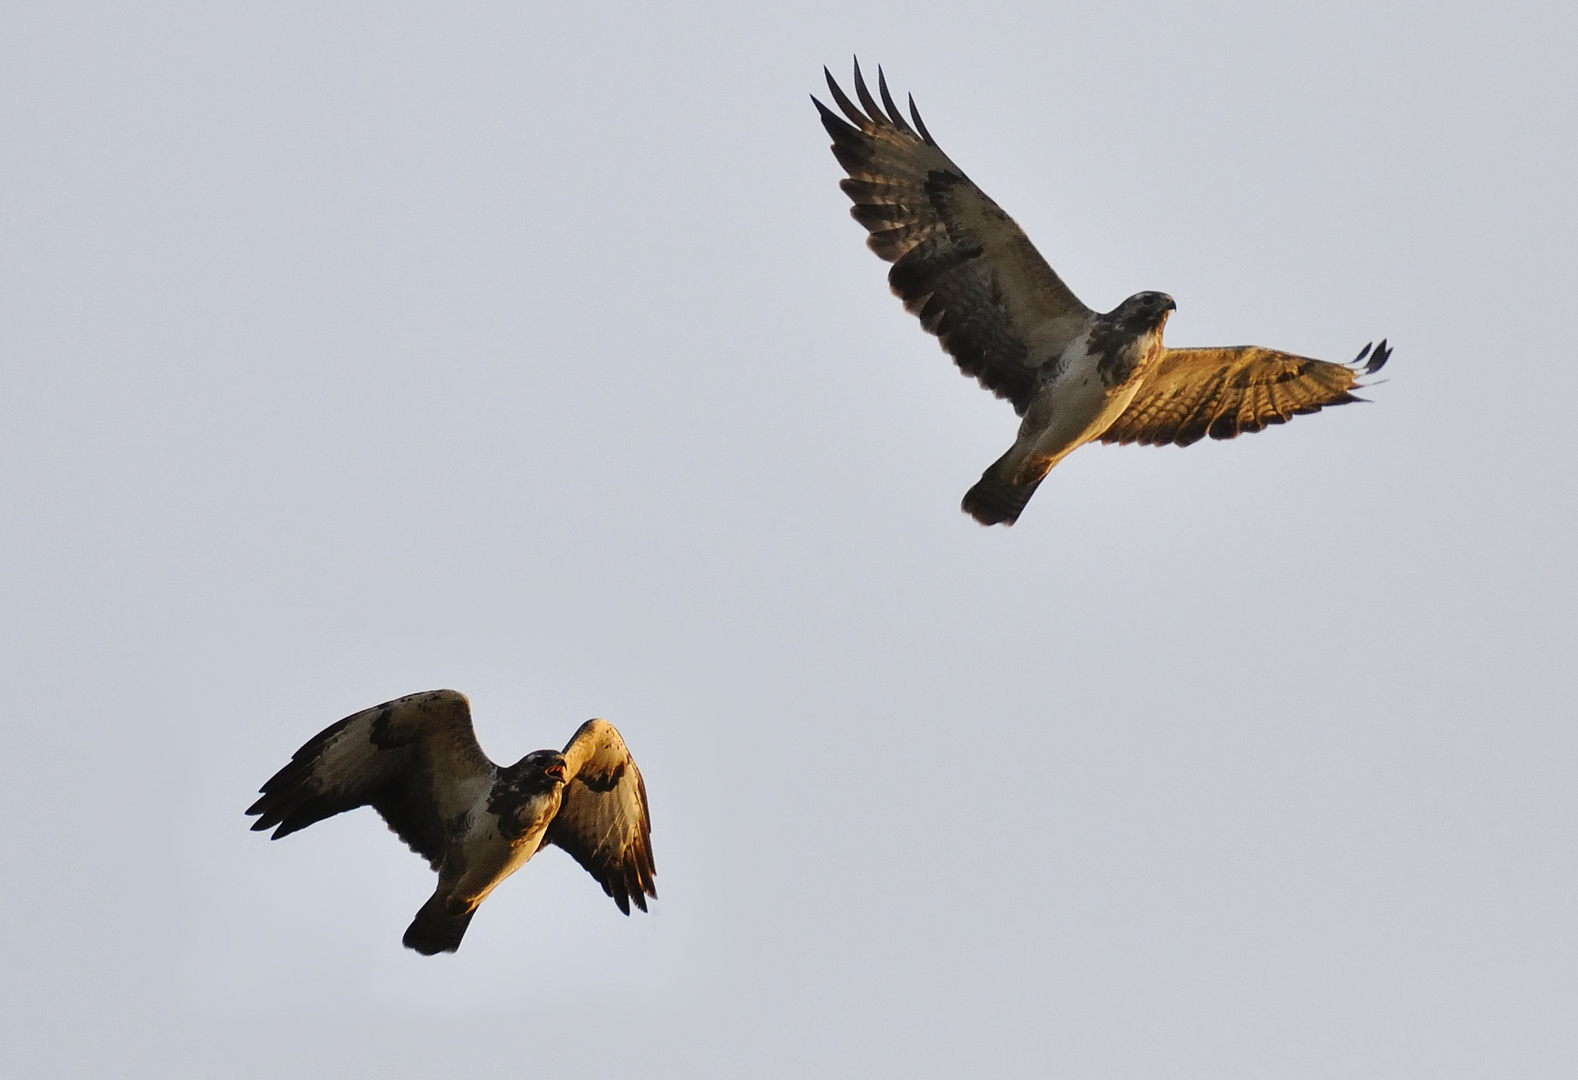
x=1192, y=393
x=414, y=759
x=959, y=263
x=603, y=821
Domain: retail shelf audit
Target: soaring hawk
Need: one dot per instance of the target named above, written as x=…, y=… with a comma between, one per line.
x=1073, y=375
x=416, y=761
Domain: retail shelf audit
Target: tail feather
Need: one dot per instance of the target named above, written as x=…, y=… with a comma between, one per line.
x=435, y=930
x=997, y=498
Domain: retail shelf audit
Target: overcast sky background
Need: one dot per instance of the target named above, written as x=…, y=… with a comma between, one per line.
x=349, y=350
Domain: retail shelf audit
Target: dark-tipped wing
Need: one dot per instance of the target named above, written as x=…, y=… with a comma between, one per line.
x=603, y=820
x=414, y=759
x=1192, y=393
x=959, y=263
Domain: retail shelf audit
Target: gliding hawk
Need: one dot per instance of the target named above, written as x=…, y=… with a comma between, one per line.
x=416, y=761
x=972, y=277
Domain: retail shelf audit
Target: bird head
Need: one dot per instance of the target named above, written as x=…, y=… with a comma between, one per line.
x=547, y=764
x=1145, y=311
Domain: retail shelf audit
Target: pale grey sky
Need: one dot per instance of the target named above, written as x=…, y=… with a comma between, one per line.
x=349, y=350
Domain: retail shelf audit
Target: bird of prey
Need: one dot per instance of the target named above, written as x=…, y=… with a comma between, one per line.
x=1073, y=375
x=416, y=761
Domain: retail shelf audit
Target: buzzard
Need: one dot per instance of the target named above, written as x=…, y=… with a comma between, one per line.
x=973, y=278
x=416, y=761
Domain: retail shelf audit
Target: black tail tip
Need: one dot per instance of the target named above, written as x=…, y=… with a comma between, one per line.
x=989, y=513
x=435, y=930
x=992, y=502
x=428, y=946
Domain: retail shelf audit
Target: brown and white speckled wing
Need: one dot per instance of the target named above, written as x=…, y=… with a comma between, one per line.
x=603, y=820
x=414, y=759
x=959, y=263
x=1192, y=393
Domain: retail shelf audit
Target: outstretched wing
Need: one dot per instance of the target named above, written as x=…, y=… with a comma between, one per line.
x=959, y=262
x=1192, y=393
x=414, y=759
x=602, y=820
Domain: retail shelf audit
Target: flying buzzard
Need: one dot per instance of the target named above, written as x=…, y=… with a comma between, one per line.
x=973, y=278
x=416, y=761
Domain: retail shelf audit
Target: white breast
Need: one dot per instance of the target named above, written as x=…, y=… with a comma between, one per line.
x=1075, y=408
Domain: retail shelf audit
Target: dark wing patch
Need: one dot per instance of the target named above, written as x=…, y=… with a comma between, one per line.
x=1192, y=393
x=960, y=264
x=603, y=820
x=411, y=759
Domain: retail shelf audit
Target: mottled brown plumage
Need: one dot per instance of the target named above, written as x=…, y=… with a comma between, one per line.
x=416, y=761
x=1224, y=392
x=972, y=277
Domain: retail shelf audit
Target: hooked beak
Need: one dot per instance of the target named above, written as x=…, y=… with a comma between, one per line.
x=556, y=771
